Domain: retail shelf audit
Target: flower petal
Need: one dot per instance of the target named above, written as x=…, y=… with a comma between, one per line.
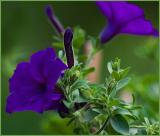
x=25, y=92
x=126, y=12
x=17, y=102
x=38, y=61
x=108, y=33
x=124, y=17
x=21, y=78
x=53, y=70
x=139, y=26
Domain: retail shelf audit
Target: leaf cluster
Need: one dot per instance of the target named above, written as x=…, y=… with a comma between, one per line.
x=96, y=108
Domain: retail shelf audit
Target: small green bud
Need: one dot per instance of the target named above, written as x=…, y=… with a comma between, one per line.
x=77, y=72
x=86, y=93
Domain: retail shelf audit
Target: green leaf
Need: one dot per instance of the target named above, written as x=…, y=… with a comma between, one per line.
x=147, y=121
x=79, y=84
x=101, y=111
x=68, y=104
x=123, y=82
x=79, y=37
x=110, y=130
x=97, y=91
x=113, y=92
x=125, y=112
x=99, y=88
x=119, y=124
x=114, y=102
x=57, y=38
x=81, y=99
x=124, y=72
x=109, y=66
x=58, y=44
x=86, y=93
x=116, y=64
x=132, y=107
x=90, y=115
x=88, y=71
x=115, y=75
x=75, y=94
x=77, y=97
x=60, y=54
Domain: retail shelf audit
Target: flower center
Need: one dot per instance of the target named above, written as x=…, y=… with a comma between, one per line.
x=43, y=87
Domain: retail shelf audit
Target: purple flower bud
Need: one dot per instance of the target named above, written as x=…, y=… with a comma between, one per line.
x=49, y=11
x=53, y=19
x=68, y=36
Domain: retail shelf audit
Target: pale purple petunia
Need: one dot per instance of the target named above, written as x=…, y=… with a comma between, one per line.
x=33, y=84
x=125, y=18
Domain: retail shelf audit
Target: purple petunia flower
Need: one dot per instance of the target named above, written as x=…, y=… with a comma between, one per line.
x=124, y=18
x=33, y=84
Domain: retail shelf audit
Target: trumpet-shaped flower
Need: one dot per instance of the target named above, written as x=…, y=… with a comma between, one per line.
x=125, y=18
x=33, y=84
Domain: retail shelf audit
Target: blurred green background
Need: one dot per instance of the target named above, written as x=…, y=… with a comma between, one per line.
x=25, y=29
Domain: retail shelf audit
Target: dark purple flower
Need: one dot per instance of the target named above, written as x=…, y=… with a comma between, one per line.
x=53, y=19
x=68, y=36
x=124, y=18
x=33, y=84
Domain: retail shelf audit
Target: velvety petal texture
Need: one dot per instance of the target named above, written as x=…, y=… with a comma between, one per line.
x=32, y=86
x=124, y=17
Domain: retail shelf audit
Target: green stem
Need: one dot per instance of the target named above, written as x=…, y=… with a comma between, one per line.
x=104, y=126
x=137, y=126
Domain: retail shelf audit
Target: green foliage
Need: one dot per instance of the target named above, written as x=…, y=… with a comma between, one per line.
x=149, y=50
x=151, y=129
x=90, y=103
x=123, y=82
x=79, y=37
x=97, y=108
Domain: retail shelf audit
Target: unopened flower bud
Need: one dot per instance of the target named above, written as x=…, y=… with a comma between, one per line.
x=68, y=36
